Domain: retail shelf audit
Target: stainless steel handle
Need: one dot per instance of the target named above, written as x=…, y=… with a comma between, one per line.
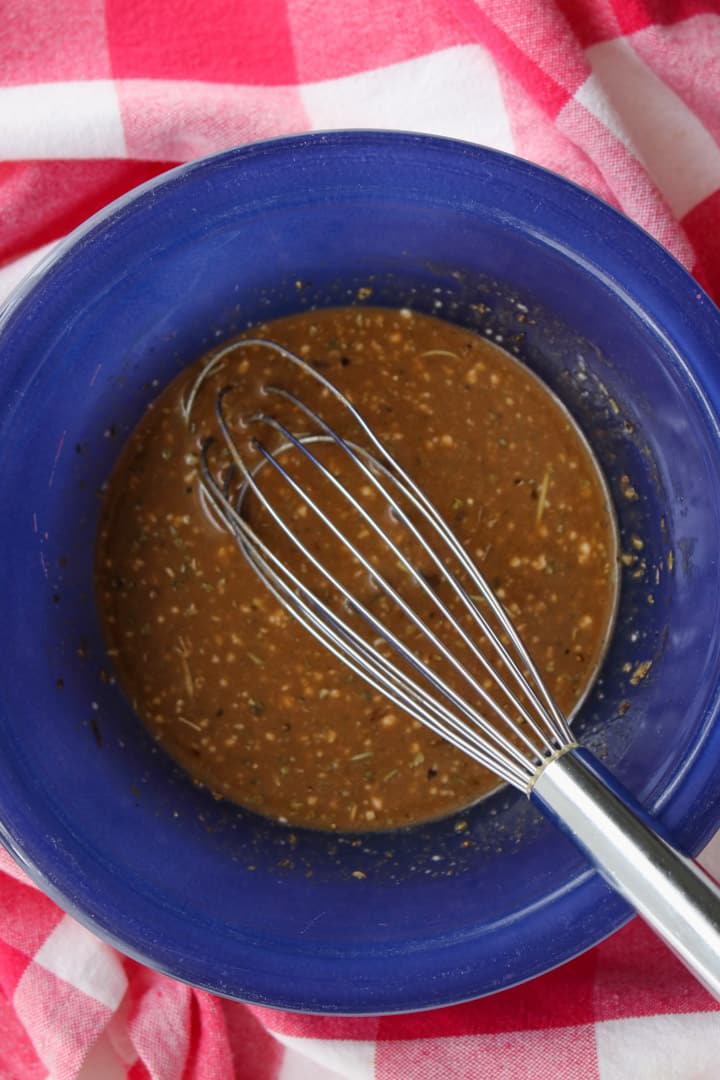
x=671, y=892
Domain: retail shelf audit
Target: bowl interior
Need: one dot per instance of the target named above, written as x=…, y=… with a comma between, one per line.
x=205, y=890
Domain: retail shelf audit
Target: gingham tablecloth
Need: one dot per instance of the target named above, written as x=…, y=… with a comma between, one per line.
x=99, y=95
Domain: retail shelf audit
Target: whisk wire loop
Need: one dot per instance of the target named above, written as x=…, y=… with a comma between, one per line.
x=430, y=513
x=534, y=724
x=367, y=661
x=552, y=717
x=372, y=472
x=388, y=589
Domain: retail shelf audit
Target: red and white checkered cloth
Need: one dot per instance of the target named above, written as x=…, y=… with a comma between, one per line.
x=622, y=96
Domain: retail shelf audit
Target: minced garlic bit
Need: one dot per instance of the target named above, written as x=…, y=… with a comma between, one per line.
x=640, y=672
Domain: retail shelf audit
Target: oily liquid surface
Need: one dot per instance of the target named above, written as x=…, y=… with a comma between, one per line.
x=238, y=693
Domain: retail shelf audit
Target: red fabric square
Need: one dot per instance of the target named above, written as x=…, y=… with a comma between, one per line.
x=43, y=41
x=702, y=226
x=561, y=998
x=532, y=1055
x=526, y=60
x=42, y=201
x=637, y=975
x=27, y=917
x=354, y=36
x=18, y=1060
x=212, y=41
x=635, y=15
x=591, y=21
x=13, y=965
x=256, y=1053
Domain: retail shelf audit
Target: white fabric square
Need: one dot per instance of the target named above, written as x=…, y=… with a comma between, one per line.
x=61, y=120
x=74, y=954
x=655, y=125
x=326, y=1059
x=455, y=92
x=684, y=1047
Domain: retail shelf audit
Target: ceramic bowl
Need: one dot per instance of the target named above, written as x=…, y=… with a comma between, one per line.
x=96, y=814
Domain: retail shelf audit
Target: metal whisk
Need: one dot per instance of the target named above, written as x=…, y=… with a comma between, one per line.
x=483, y=693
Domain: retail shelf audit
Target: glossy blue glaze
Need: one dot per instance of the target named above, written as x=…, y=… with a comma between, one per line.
x=114, y=832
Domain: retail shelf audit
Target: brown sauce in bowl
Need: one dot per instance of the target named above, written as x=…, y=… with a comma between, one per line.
x=238, y=693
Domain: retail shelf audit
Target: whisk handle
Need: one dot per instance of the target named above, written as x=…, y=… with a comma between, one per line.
x=671, y=892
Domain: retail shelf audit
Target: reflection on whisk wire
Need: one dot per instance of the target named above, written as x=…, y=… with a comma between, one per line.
x=504, y=718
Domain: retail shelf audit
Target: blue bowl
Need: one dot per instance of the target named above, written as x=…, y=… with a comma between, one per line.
x=99, y=817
